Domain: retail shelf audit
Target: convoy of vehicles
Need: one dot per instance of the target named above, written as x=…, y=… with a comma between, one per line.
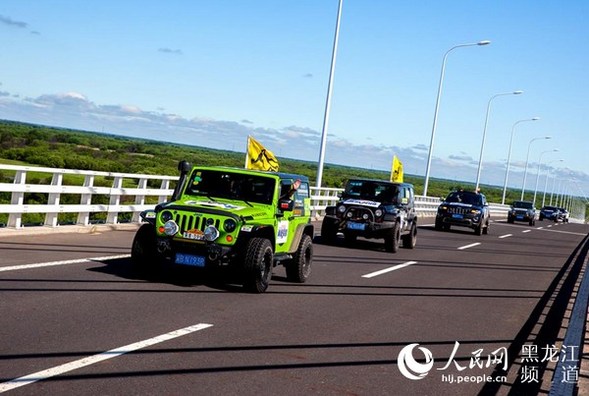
x=248, y=222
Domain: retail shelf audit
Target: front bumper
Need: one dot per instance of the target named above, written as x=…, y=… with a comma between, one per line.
x=464, y=221
x=212, y=254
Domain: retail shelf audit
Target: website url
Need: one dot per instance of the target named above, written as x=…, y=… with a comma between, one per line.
x=477, y=379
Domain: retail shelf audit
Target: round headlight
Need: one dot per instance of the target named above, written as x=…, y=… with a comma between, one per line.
x=166, y=216
x=170, y=228
x=211, y=233
x=378, y=212
x=229, y=225
x=349, y=214
x=341, y=208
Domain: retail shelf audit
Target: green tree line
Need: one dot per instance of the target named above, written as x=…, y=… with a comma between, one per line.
x=73, y=149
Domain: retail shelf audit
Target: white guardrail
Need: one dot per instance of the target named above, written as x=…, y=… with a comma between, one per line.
x=122, y=199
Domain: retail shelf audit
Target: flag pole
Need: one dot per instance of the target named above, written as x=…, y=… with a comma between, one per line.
x=247, y=151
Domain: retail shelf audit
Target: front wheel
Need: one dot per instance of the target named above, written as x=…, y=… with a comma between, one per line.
x=410, y=240
x=392, y=239
x=259, y=259
x=299, y=269
x=329, y=230
x=143, y=249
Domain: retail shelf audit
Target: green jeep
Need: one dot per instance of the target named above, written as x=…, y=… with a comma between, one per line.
x=220, y=217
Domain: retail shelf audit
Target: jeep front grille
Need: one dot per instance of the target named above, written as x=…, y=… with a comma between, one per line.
x=458, y=210
x=190, y=222
x=357, y=214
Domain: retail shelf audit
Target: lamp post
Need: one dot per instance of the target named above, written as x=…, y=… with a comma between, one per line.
x=435, y=124
x=546, y=180
x=509, y=155
x=538, y=173
x=485, y=133
x=328, y=99
x=527, y=158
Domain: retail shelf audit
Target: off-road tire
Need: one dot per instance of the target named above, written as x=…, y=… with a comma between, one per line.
x=410, y=240
x=299, y=269
x=258, y=263
x=143, y=249
x=329, y=230
x=479, y=229
x=392, y=239
x=486, y=229
x=439, y=226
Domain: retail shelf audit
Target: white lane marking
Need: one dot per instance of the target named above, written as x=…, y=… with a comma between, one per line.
x=384, y=271
x=549, y=226
x=469, y=246
x=524, y=231
x=76, y=364
x=65, y=262
x=539, y=228
x=505, y=236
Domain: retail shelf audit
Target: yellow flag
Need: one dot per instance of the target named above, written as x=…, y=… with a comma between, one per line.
x=258, y=157
x=397, y=171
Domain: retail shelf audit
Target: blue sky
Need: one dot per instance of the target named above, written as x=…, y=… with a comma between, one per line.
x=210, y=73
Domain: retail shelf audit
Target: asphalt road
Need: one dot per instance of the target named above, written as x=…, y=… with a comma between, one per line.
x=96, y=327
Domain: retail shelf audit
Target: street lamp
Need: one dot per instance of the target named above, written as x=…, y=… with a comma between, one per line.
x=546, y=181
x=538, y=173
x=527, y=158
x=328, y=99
x=435, y=124
x=509, y=155
x=485, y=132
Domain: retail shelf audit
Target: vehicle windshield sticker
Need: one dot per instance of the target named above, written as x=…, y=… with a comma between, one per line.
x=362, y=202
x=282, y=235
x=247, y=228
x=215, y=204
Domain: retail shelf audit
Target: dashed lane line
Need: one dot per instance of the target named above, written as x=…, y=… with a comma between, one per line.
x=64, y=262
x=469, y=246
x=505, y=236
x=393, y=268
x=89, y=360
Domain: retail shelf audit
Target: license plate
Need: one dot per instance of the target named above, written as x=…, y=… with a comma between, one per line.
x=520, y=217
x=190, y=259
x=457, y=216
x=356, y=226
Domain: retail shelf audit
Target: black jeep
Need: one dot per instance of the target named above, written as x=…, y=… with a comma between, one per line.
x=373, y=209
x=464, y=209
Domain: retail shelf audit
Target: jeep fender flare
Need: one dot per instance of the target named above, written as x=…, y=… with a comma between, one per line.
x=260, y=231
x=301, y=230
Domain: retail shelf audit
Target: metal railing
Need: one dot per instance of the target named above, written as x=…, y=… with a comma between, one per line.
x=126, y=193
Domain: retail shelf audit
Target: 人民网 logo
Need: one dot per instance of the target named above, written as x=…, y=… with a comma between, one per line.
x=410, y=367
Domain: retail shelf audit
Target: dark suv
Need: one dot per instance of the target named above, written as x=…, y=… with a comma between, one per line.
x=549, y=213
x=464, y=209
x=373, y=209
x=522, y=211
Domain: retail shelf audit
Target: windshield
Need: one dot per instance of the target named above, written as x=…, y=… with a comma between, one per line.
x=465, y=197
x=372, y=190
x=229, y=185
x=523, y=205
